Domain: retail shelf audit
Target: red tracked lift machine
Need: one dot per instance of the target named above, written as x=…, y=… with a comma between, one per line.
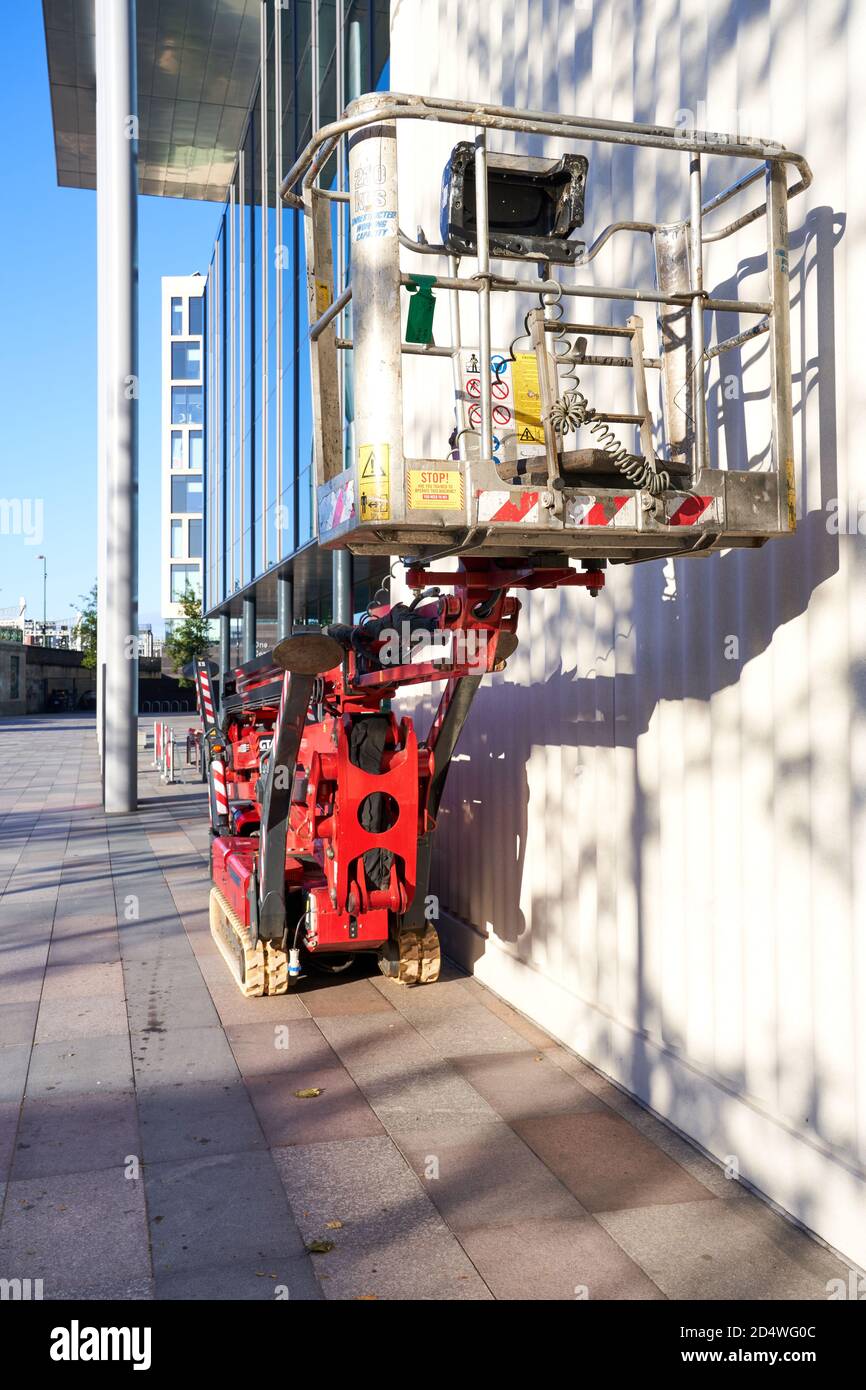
x=323, y=804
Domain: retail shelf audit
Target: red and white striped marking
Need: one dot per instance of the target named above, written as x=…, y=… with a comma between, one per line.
x=218, y=782
x=207, y=695
x=600, y=511
x=690, y=511
x=502, y=506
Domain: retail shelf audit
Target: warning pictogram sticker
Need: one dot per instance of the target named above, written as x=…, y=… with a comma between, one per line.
x=527, y=398
x=374, y=482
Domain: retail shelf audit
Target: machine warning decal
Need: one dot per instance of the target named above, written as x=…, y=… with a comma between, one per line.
x=527, y=399
x=323, y=296
x=435, y=489
x=374, y=477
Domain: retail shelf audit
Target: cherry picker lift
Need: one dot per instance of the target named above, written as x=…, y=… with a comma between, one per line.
x=323, y=804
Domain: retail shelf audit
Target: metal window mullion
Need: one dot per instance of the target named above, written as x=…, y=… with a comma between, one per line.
x=781, y=394
x=232, y=449
x=483, y=255
x=242, y=356
x=278, y=232
x=696, y=275
x=341, y=226
x=263, y=135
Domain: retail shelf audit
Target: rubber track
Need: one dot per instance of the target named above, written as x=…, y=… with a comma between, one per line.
x=257, y=968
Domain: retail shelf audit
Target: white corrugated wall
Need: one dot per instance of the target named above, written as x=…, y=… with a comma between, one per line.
x=654, y=848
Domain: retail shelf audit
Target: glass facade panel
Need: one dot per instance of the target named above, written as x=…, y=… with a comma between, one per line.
x=196, y=314
x=195, y=538
x=177, y=458
x=187, y=405
x=176, y=317
x=177, y=546
x=186, y=361
x=259, y=480
x=196, y=449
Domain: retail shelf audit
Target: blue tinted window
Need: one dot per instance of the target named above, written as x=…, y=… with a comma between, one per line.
x=187, y=405
x=186, y=361
x=186, y=493
x=196, y=314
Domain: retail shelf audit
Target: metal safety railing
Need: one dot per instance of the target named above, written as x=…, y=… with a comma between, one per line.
x=680, y=296
x=174, y=755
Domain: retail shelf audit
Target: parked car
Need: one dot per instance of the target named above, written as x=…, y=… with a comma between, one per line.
x=58, y=700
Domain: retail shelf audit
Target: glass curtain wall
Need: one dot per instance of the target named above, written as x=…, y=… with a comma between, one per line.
x=259, y=468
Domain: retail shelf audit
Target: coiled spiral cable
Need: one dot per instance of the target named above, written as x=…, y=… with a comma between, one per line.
x=571, y=410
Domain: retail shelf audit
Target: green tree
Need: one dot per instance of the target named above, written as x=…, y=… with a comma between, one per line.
x=85, y=630
x=191, y=637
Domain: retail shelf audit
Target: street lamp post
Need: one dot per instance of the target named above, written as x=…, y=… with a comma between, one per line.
x=44, y=596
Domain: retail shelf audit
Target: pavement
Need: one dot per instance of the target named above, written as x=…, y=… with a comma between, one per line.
x=153, y=1143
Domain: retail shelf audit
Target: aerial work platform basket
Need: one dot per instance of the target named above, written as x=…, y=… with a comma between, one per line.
x=529, y=464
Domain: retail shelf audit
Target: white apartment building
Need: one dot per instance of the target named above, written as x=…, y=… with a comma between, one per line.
x=183, y=440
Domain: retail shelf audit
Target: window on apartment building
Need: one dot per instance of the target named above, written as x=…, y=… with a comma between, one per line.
x=182, y=578
x=187, y=405
x=195, y=538
x=186, y=494
x=195, y=310
x=177, y=449
x=196, y=449
x=177, y=547
x=186, y=361
x=176, y=317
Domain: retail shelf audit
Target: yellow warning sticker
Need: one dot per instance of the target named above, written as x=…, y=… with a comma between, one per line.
x=527, y=399
x=374, y=481
x=436, y=489
x=323, y=297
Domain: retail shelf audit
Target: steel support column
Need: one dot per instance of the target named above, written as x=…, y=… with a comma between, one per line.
x=225, y=645
x=285, y=608
x=117, y=146
x=248, y=630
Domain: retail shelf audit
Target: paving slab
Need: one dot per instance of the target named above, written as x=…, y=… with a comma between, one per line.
x=14, y=1062
x=404, y=1079
x=76, y=1231
x=339, y=1112
x=79, y=1066
x=179, y=1056
x=261, y=1049
x=18, y=1022
x=179, y=1122
x=484, y=1176
x=713, y=1250
x=76, y=1134
x=9, y=1113
x=572, y=1259
x=391, y=1242
x=465, y=1032
x=93, y=1017
x=281, y=1278
x=607, y=1164
x=83, y=981
x=218, y=1210
x=525, y=1085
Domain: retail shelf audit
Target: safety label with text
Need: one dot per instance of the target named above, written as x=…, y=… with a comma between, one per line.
x=374, y=481
x=435, y=489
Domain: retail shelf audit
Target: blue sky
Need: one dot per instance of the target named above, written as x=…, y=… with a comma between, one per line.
x=48, y=340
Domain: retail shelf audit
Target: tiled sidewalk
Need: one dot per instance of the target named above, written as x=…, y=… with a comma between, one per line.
x=154, y=1146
